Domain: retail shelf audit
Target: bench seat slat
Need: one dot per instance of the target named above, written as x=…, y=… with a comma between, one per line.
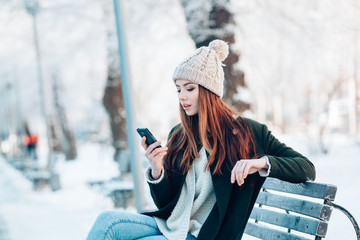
x=264, y=232
x=308, y=208
x=311, y=189
x=298, y=223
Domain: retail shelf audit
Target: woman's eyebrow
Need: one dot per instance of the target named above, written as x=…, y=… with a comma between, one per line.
x=184, y=84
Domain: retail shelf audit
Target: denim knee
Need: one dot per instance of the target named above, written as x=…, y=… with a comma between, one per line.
x=104, y=216
x=101, y=225
x=122, y=225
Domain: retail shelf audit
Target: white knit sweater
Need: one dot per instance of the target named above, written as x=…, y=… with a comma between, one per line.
x=195, y=203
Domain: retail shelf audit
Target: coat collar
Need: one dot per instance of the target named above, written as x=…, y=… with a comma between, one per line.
x=222, y=188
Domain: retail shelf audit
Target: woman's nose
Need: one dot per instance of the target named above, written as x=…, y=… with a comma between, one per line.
x=182, y=95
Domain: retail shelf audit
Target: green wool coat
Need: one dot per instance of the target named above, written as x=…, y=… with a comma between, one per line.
x=229, y=216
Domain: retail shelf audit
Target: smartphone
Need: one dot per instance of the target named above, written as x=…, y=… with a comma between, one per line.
x=150, y=139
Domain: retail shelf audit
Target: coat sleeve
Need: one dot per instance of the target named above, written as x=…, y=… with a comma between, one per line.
x=161, y=192
x=286, y=163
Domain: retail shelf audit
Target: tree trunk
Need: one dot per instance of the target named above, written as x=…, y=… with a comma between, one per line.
x=113, y=98
x=212, y=19
x=354, y=82
x=67, y=142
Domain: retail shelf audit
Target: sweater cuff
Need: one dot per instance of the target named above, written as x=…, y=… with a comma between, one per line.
x=265, y=172
x=150, y=179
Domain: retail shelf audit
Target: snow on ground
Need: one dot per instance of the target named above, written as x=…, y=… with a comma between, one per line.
x=65, y=214
x=70, y=212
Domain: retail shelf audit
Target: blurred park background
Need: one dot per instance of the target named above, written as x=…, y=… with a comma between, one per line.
x=293, y=65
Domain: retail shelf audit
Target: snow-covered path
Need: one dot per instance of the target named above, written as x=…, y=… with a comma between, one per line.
x=70, y=212
x=65, y=214
x=42, y=215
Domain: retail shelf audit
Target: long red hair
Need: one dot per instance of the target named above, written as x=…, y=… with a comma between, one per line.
x=217, y=129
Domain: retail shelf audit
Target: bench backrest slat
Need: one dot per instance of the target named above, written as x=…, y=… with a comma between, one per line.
x=308, y=208
x=264, y=232
x=301, y=224
x=310, y=189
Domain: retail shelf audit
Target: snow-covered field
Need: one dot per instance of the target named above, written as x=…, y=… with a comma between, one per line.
x=65, y=214
x=69, y=213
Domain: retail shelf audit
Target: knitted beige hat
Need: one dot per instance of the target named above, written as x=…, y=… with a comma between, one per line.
x=204, y=67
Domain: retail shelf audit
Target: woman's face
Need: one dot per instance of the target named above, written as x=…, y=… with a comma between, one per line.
x=188, y=93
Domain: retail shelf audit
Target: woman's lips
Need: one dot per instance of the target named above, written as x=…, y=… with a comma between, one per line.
x=186, y=107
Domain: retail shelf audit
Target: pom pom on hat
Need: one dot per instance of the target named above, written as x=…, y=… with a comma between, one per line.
x=205, y=67
x=221, y=48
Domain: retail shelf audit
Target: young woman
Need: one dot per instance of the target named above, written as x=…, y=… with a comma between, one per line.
x=207, y=178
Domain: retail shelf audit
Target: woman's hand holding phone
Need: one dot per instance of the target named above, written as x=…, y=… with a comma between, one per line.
x=155, y=155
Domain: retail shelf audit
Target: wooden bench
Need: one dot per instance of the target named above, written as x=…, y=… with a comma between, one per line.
x=121, y=193
x=289, y=211
x=42, y=178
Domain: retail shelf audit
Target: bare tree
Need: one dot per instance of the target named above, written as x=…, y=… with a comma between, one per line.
x=354, y=114
x=113, y=98
x=212, y=19
x=67, y=142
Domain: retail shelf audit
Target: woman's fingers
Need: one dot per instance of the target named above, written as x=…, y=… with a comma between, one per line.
x=240, y=171
x=247, y=170
x=232, y=179
x=151, y=148
x=158, y=152
x=235, y=173
x=245, y=167
x=159, y=156
x=154, y=153
x=143, y=143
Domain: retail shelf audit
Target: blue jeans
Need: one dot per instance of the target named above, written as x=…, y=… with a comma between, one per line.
x=117, y=225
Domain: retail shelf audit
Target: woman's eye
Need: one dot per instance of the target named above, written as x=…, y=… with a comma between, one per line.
x=178, y=91
x=190, y=89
